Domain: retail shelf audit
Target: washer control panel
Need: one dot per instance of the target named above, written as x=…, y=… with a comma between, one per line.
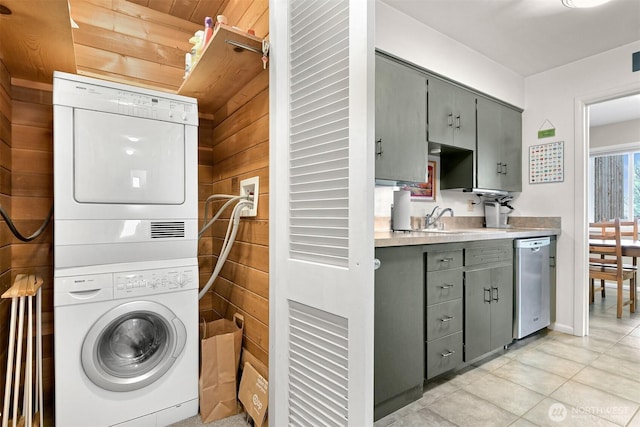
x=132, y=283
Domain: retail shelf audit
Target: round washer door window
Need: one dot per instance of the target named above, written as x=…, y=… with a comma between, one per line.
x=132, y=345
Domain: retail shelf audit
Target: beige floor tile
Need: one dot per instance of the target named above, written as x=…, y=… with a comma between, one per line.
x=436, y=390
x=605, y=334
x=577, y=354
x=591, y=401
x=530, y=377
x=624, y=325
x=611, y=383
x=465, y=409
x=468, y=375
x=625, y=368
x=505, y=394
x=635, y=421
x=493, y=363
x=386, y=421
x=631, y=341
x=422, y=418
x=548, y=362
x=635, y=332
x=626, y=352
x=521, y=422
x=589, y=342
x=551, y=413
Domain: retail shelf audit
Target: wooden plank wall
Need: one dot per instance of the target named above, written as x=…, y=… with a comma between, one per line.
x=32, y=197
x=239, y=147
x=5, y=202
x=26, y=193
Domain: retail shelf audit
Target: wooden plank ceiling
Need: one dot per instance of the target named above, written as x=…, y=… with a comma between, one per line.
x=139, y=42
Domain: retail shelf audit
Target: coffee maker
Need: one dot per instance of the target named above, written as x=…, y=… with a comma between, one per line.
x=494, y=215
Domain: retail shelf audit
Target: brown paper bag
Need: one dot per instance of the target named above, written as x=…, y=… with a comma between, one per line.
x=220, y=358
x=254, y=394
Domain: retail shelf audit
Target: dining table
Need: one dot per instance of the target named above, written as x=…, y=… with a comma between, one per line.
x=630, y=248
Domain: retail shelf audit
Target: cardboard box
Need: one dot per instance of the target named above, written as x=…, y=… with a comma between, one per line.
x=254, y=394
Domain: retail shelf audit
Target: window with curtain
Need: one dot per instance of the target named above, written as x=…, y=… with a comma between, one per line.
x=616, y=189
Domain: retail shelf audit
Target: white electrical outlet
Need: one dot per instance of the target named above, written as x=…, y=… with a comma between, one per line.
x=250, y=186
x=470, y=205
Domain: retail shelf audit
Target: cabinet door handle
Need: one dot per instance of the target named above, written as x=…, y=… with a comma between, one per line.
x=448, y=353
x=448, y=259
x=504, y=168
x=379, y=147
x=447, y=318
x=495, y=298
x=499, y=168
x=446, y=286
x=487, y=290
x=450, y=120
x=458, y=121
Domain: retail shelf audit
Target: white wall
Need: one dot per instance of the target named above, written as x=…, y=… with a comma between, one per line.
x=558, y=95
x=620, y=133
x=404, y=37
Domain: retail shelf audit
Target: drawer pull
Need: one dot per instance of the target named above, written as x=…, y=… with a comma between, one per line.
x=448, y=259
x=446, y=286
x=448, y=353
x=447, y=318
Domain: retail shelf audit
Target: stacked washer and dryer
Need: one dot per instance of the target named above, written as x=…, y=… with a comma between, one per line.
x=125, y=249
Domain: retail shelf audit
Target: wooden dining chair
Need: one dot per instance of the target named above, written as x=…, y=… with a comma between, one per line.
x=606, y=263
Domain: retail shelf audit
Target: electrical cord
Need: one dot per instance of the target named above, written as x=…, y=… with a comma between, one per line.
x=15, y=231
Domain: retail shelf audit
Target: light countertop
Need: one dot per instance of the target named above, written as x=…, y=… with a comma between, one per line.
x=428, y=237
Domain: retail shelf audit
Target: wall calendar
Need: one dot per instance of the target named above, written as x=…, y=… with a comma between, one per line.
x=546, y=163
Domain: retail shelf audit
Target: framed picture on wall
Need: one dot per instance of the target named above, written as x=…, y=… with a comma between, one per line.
x=425, y=190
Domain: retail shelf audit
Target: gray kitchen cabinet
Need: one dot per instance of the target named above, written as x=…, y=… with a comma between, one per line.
x=400, y=125
x=488, y=297
x=398, y=328
x=499, y=149
x=451, y=115
x=444, y=309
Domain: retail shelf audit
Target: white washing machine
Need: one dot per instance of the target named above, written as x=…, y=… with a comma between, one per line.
x=126, y=344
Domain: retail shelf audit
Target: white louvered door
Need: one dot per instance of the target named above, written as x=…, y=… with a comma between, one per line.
x=321, y=212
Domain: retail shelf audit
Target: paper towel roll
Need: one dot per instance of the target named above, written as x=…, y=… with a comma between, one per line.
x=402, y=210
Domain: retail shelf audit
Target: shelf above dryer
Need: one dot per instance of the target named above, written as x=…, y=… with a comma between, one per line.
x=230, y=60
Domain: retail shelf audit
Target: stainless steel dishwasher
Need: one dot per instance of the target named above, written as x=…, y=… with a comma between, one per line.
x=532, y=291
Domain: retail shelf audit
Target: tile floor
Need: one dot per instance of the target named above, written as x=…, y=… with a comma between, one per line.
x=548, y=379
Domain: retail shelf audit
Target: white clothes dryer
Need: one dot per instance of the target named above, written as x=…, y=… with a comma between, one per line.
x=126, y=344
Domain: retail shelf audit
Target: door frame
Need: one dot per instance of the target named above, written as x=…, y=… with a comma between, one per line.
x=581, y=179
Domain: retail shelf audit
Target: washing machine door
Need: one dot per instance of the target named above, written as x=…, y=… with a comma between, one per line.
x=132, y=345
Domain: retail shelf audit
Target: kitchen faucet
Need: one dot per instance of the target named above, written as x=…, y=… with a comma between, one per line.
x=431, y=220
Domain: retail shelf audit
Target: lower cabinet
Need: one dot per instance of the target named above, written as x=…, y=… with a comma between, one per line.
x=398, y=328
x=469, y=302
x=488, y=305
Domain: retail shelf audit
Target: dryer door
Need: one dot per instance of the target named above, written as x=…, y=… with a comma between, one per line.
x=132, y=345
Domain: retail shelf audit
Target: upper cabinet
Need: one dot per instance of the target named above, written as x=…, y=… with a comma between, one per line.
x=451, y=115
x=401, y=109
x=499, y=152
